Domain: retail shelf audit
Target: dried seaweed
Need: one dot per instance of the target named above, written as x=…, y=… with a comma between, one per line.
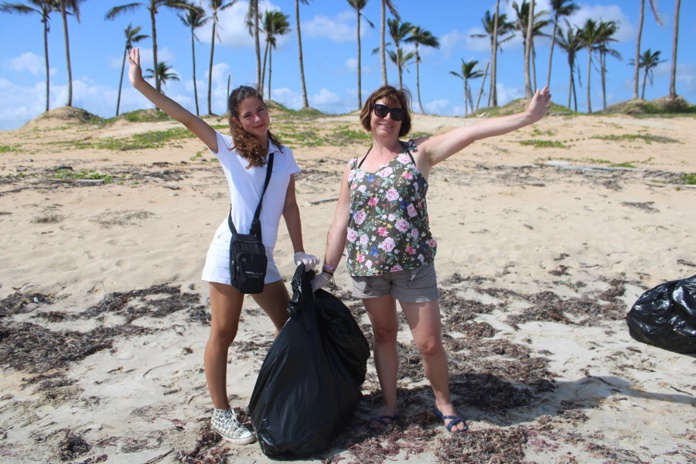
x=491, y=445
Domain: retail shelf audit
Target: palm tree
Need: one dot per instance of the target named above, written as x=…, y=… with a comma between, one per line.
x=305, y=101
x=133, y=36
x=153, y=7
x=68, y=7
x=358, y=5
x=528, y=45
x=164, y=74
x=589, y=35
x=528, y=29
x=400, y=32
x=494, y=33
x=648, y=60
x=569, y=41
x=636, y=61
x=252, y=21
x=194, y=19
x=560, y=8
x=382, y=38
x=499, y=31
x=43, y=8
x=401, y=59
x=675, y=40
x=467, y=73
x=216, y=7
x=606, y=32
x=420, y=36
x=275, y=23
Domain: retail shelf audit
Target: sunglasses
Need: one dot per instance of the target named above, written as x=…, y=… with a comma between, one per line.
x=382, y=111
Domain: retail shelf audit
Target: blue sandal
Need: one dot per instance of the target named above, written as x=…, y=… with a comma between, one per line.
x=454, y=420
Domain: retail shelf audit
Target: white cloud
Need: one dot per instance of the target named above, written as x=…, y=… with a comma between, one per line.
x=20, y=104
x=351, y=64
x=28, y=61
x=625, y=32
x=336, y=30
x=439, y=107
x=288, y=98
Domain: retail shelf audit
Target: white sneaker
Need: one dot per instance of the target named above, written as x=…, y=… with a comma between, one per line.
x=225, y=423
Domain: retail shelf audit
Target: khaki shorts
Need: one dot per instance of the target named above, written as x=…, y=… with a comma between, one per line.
x=413, y=286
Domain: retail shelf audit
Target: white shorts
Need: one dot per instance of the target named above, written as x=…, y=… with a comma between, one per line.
x=217, y=261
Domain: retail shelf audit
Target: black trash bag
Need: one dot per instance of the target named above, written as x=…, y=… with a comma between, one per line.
x=308, y=387
x=665, y=316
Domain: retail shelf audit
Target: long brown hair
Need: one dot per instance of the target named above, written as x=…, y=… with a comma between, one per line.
x=246, y=144
x=391, y=96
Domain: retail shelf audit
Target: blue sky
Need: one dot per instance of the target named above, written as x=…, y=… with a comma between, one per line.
x=329, y=46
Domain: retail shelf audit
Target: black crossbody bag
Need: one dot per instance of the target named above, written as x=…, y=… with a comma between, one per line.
x=248, y=260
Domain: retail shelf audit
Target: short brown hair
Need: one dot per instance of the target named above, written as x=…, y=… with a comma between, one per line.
x=391, y=96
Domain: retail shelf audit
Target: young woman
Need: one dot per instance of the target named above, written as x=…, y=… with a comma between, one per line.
x=243, y=159
x=382, y=222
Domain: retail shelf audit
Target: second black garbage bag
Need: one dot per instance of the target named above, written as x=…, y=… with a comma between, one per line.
x=309, y=385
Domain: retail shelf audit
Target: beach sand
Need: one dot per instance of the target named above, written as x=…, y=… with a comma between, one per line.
x=546, y=237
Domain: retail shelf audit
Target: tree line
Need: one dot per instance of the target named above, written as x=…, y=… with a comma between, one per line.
x=594, y=37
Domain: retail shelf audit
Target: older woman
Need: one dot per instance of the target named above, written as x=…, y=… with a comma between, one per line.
x=381, y=221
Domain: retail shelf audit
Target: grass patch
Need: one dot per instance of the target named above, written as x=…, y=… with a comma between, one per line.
x=689, y=179
x=647, y=138
x=537, y=143
x=537, y=132
x=7, y=149
x=69, y=174
x=150, y=115
x=623, y=165
x=154, y=139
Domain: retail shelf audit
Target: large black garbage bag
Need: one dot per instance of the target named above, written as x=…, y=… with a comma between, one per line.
x=665, y=316
x=308, y=387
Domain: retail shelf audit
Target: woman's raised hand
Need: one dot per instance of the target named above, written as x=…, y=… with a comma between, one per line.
x=540, y=103
x=135, y=73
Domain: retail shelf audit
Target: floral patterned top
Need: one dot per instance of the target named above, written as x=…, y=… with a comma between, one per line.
x=389, y=229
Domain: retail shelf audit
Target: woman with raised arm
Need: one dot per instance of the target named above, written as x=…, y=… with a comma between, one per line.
x=243, y=158
x=381, y=223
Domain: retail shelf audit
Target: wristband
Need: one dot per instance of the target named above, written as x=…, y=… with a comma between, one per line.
x=328, y=269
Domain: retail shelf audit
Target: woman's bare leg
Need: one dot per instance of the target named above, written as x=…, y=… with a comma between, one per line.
x=424, y=321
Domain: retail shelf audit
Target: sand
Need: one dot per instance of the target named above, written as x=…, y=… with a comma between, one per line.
x=547, y=236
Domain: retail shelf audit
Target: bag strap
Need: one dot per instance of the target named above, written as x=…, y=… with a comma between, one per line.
x=255, y=229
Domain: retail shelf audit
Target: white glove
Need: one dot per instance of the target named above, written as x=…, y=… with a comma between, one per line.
x=321, y=280
x=310, y=261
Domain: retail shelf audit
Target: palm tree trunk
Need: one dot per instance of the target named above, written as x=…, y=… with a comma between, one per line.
x=493, y=96
x=263, y=67
x=193, y=58
x=570, y=86
x=641, y=16
x=645, y=80
x=257, y=45
x=675, y=40
x=67, y=52
x=382, y=43
x=528, y=52
x=603, y=67
x=464, y=90
x=483, y=83
x=210, y=69
x=418, y=80
x=154, y=51
x=305, y=102
x=589, y=71
x=357, y=9
x=120, y=82
x=48, y=79
x=270, y=70
x=553, y=44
